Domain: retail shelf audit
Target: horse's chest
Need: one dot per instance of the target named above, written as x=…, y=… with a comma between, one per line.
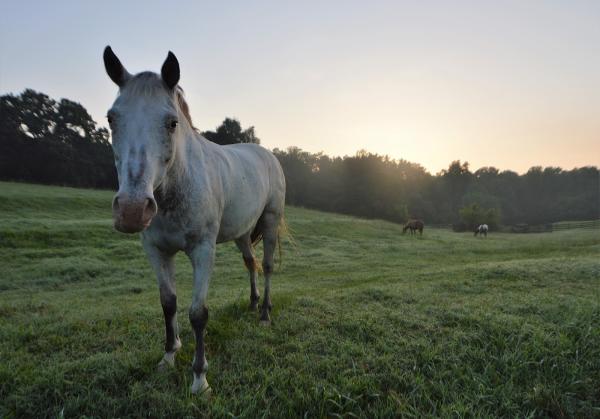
x=166, y=239
x=173, y=235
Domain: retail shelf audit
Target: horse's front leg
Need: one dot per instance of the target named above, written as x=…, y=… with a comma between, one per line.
x=202, y=256
x=164, y=266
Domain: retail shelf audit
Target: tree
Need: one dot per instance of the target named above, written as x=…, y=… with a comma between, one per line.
x=454, y=183
x=474, y=215
x=45, y=141
x=230, y=132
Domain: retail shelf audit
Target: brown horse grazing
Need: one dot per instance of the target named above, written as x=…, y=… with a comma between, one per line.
x=413, y=226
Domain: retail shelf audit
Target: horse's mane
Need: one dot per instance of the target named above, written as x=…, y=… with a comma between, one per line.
x=185, y=109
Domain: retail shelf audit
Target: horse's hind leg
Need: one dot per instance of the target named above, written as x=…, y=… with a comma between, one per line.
x=164, y=266
x=270, y=227
x=243, y=243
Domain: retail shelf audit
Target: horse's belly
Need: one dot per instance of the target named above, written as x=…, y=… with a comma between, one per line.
x=235, y=224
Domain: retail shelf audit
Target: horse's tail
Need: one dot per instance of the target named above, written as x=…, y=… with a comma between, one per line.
x=282, y=230
x=256, y=235
x=255, y=238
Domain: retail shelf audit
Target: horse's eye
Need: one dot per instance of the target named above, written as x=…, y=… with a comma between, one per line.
x=173, y=124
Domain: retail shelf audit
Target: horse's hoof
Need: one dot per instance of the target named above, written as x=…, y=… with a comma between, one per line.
x=200, y=386
x=253, y=306
x=265, y=323
x=205, y=394
x=167, y=362
x=164, y=366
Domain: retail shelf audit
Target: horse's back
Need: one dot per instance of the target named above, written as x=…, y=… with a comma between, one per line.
x=254, y=153
x=260, y=164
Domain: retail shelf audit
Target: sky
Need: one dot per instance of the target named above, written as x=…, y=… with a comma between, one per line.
x=510, y=84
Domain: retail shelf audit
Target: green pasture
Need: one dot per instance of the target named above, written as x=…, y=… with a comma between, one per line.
x=367, y=322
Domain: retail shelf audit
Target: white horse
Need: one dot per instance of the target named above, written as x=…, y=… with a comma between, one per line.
x=482, y=230
x=186, y=193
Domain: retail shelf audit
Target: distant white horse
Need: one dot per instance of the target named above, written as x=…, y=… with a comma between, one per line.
x=185, y=193
x=482, y=230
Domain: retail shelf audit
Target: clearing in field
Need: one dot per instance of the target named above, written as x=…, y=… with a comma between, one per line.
x=366, y=321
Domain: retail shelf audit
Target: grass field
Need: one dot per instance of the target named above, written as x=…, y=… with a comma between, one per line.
x=366, y=323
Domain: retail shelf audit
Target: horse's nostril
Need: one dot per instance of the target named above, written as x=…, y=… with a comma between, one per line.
x=150, y=207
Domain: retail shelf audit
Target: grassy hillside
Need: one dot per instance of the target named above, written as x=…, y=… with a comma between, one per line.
x=366, y=321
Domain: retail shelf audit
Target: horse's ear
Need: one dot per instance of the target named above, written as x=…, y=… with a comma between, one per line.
x=170, y=71
x=114, y=68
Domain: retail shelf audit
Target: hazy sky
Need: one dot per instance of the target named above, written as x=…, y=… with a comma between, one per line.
x=510, y=84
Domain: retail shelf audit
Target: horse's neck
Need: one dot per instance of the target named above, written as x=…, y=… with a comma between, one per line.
x=193, y=161
x=189, y=158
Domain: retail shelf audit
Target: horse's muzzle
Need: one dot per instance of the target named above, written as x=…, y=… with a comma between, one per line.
x=133, y=215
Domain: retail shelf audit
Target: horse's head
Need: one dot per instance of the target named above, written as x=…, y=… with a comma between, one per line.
x=144, y=121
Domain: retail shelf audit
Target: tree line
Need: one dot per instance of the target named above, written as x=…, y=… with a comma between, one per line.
x=371, y=185
x=57, y=142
